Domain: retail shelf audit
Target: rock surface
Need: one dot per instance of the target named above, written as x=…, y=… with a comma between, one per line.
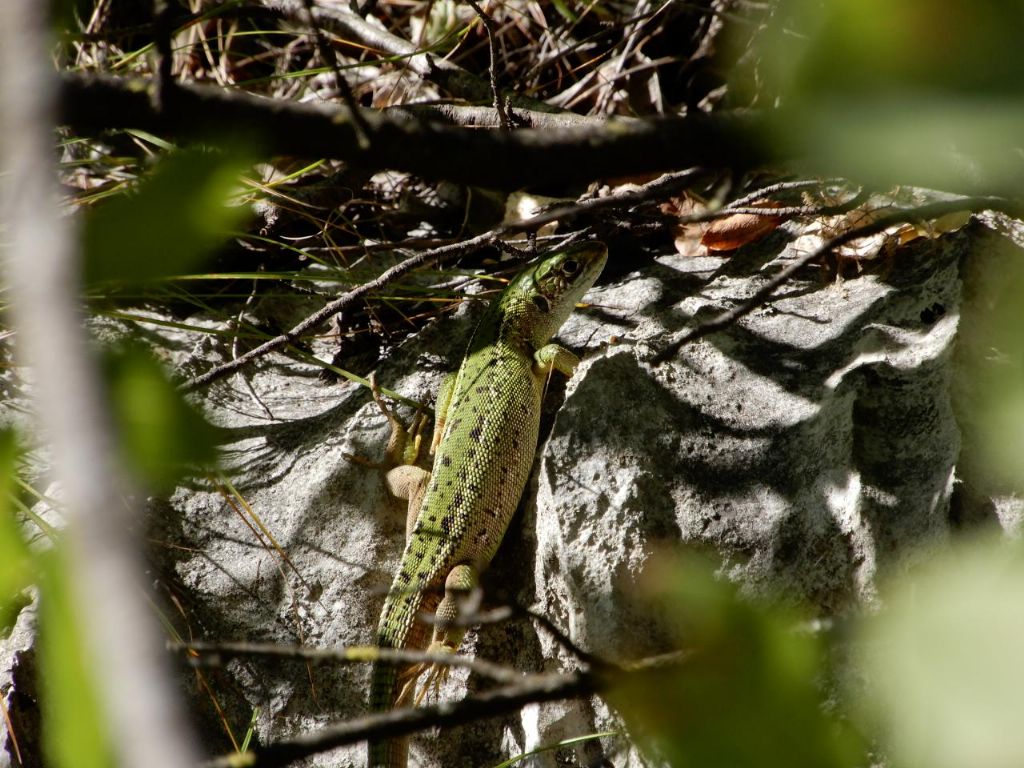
x=813, y=446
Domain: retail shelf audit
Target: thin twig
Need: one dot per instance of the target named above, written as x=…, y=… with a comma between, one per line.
x=665, y=184
x=902, y=216
x=628, y=44
x=670, y=659
x=346, y=655
x=659, y=186
x=651, y=190
x=783, y=186
x=787, y=211
x=162, y=27
x=492, y=68
x=238, y=321
x=527, y=689
x=595, y=662
x=511, y=611
x=340, y=304
x=340, y=83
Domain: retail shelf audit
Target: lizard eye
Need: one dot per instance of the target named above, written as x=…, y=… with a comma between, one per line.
x=571, y=267
x=542, y=303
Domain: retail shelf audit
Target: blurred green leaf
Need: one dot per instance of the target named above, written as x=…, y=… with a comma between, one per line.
x=746, y=696
x=989, y=371
x=170, y=222
x=162, y=436
x=879, y=48
x=565, y=11
x=911, y=91
x=74, y=733
x=63, y=22
x=16, y=568
x=944, y=661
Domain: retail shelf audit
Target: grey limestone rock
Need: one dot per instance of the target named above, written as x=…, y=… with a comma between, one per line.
x=813, y=446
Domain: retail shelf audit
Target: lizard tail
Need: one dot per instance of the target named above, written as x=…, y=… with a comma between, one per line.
x=393, y=753
x=390, y=753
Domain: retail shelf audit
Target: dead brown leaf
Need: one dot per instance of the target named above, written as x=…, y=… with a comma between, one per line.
x=730, y=233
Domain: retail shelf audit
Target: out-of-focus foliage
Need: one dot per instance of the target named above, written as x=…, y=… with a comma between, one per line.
x=74, y=731
x=990, y=375
x=747, y=694
x=944, y=663
x=911, y=91
x=167, y=224
x=161, y=436
x=15, y=564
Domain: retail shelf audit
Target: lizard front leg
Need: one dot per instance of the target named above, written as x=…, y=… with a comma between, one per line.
x=404, y=444
x=404, y=477
x=554, y=357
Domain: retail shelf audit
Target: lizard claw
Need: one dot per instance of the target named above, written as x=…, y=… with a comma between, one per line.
x=437, y=675
x=412, y=693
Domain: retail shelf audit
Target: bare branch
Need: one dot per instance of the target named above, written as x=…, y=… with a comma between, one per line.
x=526, y=689
x=666, y=184
x=782, y=187
x=788, y=211
x=492, y=159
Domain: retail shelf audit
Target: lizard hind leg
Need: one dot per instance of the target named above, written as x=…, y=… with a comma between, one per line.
x=460, y=590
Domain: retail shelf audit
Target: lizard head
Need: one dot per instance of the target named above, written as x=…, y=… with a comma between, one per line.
x=539, y=300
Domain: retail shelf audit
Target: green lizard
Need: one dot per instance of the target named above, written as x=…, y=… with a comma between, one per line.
x=485, y=438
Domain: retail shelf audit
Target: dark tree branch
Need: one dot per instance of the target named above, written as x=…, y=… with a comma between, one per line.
x=163, y=29
x=487, y=117
x=401, y=722
x=527, y=689
x=494, y=159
